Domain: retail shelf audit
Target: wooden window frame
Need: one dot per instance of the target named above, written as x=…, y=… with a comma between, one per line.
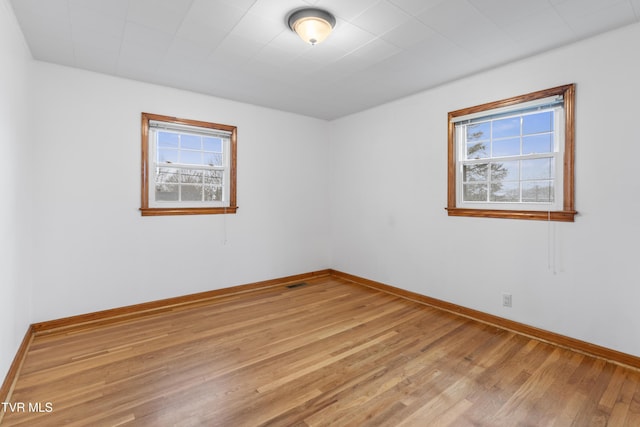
x=145, y=209
x=568, y=212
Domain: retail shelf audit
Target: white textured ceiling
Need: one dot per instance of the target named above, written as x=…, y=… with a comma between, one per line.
x=243, y=50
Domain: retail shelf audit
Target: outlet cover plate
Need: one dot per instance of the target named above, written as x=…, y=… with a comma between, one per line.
x=507, y=300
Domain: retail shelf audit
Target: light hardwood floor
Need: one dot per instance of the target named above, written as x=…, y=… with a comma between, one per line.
x=330, y=353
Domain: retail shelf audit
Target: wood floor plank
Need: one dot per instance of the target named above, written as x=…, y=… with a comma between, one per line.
x=620, y=407
x=328, y=353
x=633, y=414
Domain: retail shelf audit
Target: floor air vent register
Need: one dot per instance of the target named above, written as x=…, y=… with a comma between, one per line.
x=297, y=285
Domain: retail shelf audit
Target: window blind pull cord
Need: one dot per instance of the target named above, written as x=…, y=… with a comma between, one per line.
x=224, y=227
x=551, y=248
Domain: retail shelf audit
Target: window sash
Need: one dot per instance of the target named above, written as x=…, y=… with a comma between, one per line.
x=556, y=154
x=154, y=128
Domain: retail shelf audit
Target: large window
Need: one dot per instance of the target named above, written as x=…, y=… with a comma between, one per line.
x=188, y=166
x=514, y=158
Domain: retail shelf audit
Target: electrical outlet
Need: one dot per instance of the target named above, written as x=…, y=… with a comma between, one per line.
x=506, y=300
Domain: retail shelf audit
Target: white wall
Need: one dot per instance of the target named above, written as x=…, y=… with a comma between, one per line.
x=15, y=212
x=95, y=251
x=389, y=193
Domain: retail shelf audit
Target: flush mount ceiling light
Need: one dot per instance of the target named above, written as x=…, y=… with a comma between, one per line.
x=312, y=25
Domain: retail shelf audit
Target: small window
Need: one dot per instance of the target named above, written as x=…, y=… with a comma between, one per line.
x=514, y=158
x=188, y=167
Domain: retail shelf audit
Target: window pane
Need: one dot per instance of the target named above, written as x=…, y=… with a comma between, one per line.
x=190, y=142
x=474, y=192
x=506, y=147
x=537, y=123
x=505, y=192
x=167, y=156
x=166, y=175
x=537, y=191
x=475, y=172
x=167, y=140
x=212, y=193
x=537, y=144
x=213, y=177
x=192, y=176
x=477, y=150
x=505, y=171
x=478, y=131
x=167, y=192
x=191, y=193
x=191, y=157
x=213, y=159
x=213, y=185
x=506, y=127
x=213, y=144
x=537, y=169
